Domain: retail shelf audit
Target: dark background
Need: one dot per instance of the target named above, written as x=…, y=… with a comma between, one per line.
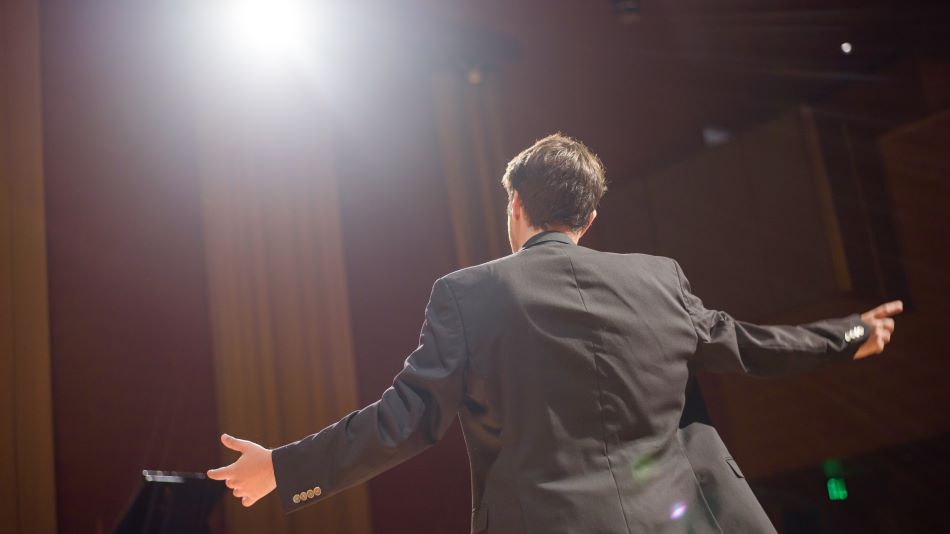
x=131, y=339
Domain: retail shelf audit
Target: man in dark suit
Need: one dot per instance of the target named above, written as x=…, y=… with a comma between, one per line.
x=567, y=369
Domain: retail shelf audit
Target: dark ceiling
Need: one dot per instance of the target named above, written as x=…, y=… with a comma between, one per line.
x=641, y=89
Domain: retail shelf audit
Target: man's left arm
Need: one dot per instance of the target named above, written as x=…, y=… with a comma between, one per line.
x=728, y=345
x=410, y=416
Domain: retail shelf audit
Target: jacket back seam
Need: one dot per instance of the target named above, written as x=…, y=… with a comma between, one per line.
x=600, y=396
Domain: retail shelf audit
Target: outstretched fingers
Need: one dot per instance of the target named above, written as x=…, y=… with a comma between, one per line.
x=222, y=473
x=881, y=328
x=251, y=476
x=888, y=309
x=227, y=472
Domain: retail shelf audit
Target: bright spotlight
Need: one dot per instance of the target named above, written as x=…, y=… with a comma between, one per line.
x=271, y=29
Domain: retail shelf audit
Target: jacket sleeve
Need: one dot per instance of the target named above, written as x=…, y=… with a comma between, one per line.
x=727, y=345
x=410, y=416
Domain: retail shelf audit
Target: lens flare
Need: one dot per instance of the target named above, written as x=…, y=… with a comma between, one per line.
x=678, y=511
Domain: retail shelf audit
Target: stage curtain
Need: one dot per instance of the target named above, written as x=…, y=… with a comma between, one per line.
x=473, y=158
x=283, y=350
x=27, y=487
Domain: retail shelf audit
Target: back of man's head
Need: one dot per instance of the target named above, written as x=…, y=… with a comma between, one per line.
x=559, y=180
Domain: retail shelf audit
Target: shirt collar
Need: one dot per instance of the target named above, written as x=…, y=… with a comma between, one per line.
x=546, y=237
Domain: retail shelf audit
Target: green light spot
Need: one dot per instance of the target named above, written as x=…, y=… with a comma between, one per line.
x=832, y=468
x=643, y=470
x=837, y=491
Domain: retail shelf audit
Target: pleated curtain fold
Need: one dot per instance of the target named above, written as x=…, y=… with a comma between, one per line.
x=283, y=351
x=471, y=148
x=27, y=483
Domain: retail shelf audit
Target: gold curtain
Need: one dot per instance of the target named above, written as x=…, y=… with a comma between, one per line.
x=283, y=351
x=473, y=161
x=27, y=488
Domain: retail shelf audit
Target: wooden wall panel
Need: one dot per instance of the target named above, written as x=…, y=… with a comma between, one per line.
x=745, y=221
x=880, y=402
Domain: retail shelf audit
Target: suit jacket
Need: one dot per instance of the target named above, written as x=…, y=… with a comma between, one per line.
x=567, y=368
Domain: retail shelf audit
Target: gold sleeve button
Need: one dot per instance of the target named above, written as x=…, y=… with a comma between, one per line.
x=296, y=498
x=310, y=494
x=317, y=491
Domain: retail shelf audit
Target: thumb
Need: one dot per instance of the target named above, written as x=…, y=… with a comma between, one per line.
x=233, y=443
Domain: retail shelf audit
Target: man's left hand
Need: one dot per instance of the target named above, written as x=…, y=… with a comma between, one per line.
x=252, y=475
x=881, y=324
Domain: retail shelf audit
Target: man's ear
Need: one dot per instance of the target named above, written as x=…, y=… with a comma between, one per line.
x=517, y=209
x=590, y=221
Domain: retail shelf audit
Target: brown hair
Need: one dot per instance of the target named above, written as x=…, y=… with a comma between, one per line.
x=560, y=182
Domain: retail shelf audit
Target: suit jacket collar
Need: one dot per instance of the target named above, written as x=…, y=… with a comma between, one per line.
x=547, y=237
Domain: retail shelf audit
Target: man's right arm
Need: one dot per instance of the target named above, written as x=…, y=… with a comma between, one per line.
x=409, y=417
x=726, y=344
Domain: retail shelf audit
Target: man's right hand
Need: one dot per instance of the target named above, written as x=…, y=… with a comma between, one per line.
x=252, y=475
x=879, y=321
